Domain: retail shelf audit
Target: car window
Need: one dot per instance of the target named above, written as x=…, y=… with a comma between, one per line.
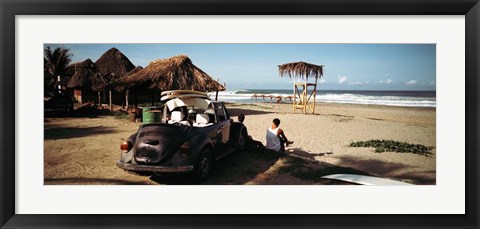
x=227, y=116
x=211, y=113
x=220, y=113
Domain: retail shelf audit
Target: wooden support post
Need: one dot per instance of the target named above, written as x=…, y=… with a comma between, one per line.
x=294, y=97
x=304, y=98
x=135, y=99
x=110, y=98
x=126, y=99
x=314, y=95
x=99, y=102
x=216, y=96
x=294, y=94
x=153, y=97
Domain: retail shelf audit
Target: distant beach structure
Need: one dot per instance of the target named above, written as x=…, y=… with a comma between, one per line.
x=290, y=97
x=278, y=98
x=302, y=71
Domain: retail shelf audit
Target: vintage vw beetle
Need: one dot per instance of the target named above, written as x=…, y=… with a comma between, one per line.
x=192, y=133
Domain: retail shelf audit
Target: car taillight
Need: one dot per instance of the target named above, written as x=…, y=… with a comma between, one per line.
x=185, y=150
x=126, y=146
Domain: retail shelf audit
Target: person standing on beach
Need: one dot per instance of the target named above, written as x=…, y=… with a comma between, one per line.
x=276, y=137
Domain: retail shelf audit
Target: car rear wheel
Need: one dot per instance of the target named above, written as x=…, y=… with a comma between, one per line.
x=242, y=139
x=203, y=166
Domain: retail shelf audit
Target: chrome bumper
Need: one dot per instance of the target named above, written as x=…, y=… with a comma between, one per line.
x=154, y=168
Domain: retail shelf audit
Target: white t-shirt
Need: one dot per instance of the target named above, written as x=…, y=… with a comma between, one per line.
x=273, y=141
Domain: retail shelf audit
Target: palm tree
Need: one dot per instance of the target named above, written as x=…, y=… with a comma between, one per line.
x=55, y=63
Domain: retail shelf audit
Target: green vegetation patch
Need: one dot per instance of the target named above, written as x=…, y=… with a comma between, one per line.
x=393, y=146
x=121, y=115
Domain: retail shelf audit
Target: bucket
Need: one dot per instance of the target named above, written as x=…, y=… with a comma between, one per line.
x=151, y=115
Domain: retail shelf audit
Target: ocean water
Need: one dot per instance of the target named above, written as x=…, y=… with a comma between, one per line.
x=388, y=98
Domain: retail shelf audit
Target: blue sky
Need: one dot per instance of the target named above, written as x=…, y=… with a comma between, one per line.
x=255, y=66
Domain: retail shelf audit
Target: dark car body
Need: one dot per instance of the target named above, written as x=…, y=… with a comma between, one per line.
x=58, y=103
x=168, y=147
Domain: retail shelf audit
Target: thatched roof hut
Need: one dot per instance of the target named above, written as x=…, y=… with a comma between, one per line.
x=136, y=69
x=85, y=74
x=113, y=64
x=174, y=73
x=118, y=84
x=301, y=70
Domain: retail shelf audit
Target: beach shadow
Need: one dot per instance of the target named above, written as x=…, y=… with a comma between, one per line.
x=235, y=169
x=254, y=166
x=171, y=179
x=244, y=166
x=298, y=152
x=75, y=132
x=90, y=112
x=246, y=112
x=250, y=166
x=425, y=178
x=89, y=181
x=390, y=169
x=313, y=171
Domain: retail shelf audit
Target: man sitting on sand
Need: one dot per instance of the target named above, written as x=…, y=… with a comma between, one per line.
x=241, y=118
x=276, y=138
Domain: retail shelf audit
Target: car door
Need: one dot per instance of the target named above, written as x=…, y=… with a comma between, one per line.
x=223, y=129
x=225, y=121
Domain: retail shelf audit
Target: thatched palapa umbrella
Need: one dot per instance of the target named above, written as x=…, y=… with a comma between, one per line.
x=85, y=75
x=302, y=70
x=174, y=73
x=113, y=64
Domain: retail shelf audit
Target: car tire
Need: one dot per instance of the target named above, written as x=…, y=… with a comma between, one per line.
x=203, y=166
x=70, y=108
x=242, y=139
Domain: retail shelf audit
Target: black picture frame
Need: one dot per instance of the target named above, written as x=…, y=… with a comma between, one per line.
x=9, y=9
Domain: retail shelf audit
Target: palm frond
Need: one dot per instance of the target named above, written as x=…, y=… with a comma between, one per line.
x=301, y=70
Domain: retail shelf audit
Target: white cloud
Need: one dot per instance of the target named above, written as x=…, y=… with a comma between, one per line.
x=358, y=83
x=412, y=82
x=387, y=81
x=322, y=81
x=342, y=79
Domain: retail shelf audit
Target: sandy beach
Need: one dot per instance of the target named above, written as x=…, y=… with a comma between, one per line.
x=83, y=150
x=326, y=135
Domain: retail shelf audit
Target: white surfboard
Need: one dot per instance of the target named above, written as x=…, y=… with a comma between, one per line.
x=179, y=92
x=181, y=96
x=364, y=180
